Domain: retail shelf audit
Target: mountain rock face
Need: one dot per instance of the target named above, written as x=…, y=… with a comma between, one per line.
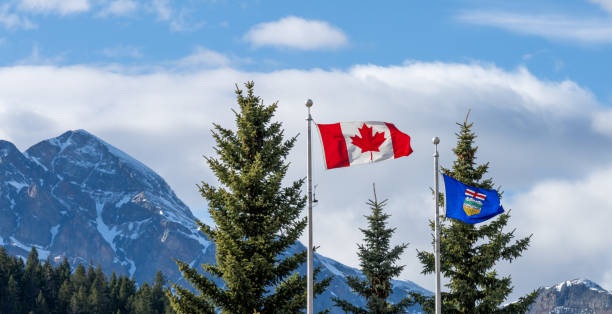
x=77, y=197
x=578, y=296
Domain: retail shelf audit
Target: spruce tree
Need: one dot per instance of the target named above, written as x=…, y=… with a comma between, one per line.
x=160, y=301
x=41, y=306
x=469, y=253
x=378, y=261
x=14, y=304
x=257, y=220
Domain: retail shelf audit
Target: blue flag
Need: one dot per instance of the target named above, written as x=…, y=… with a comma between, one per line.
x=469, y=204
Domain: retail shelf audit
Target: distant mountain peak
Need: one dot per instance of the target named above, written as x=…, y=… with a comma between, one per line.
x=576, y=296
x=576, y=282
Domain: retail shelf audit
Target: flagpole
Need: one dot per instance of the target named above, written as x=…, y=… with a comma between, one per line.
x=310, y=276
x=436, y=141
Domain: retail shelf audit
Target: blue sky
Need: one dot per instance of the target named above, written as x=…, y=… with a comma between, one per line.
x=150, y=77
x=154, y=32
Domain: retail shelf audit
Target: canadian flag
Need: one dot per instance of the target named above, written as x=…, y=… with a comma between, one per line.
x=352, y=143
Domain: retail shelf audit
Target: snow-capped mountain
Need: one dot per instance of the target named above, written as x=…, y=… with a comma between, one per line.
x=77, y=197
x=578, y=296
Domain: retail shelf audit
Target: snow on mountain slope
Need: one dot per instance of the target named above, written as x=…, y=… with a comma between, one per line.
x=578, y=296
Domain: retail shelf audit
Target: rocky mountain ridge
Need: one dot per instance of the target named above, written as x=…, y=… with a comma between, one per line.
x=578, y=296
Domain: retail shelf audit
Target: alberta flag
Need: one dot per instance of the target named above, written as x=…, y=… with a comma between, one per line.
x=469, y=204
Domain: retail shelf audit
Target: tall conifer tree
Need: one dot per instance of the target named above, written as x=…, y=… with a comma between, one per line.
x=469, y=253
x=378, y=261
x=257, y=220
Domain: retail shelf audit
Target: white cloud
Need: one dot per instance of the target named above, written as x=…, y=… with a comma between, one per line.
x=298, y=33
x=11, y=20
x=119, y=8
x=203, y=57
x=589, y=30
x=539, y=136
x=122, y=51
x=62, y=7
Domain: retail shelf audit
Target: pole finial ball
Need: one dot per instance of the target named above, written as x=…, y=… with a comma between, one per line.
x=309, y=103
x=436, y=140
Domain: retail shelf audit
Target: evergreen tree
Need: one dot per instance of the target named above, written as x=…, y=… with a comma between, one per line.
x=32, y=279
x=126, y=290
x=256, y=218
x=41, y=304
x=143, y=301
x=97, y=298
x=469, y=253
x=160, y=301
x=378, y=261
x=64, y=295
x=14, y=304
x=79, y=277
x=79, y=302
x=50, y=282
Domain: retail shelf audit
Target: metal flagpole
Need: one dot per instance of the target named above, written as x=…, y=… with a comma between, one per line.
x=436, y=141
x=310, y=277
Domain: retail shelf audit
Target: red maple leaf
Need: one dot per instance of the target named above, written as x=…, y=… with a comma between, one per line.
x=367, y=142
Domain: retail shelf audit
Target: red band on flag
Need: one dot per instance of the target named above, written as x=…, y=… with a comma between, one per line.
x=334, y=145
x=401, y=142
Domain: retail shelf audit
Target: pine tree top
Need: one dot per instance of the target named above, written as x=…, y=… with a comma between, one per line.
x=378, y=262
x=464, y=167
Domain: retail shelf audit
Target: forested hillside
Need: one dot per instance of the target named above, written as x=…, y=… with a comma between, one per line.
x=36, y=287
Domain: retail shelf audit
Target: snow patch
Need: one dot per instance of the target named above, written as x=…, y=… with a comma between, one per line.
x=109, y=234
x=54, y=231
x=126, y=198
x=165, y=235
x=17, y=185
x=328, y=263
x=35, y=160
x=132, y=267
x=42, y=253
x=198, y=237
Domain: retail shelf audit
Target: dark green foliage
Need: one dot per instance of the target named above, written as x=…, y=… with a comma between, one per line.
x=43, y=288
x=469, y=253
x=378, y=263
x=257, y=220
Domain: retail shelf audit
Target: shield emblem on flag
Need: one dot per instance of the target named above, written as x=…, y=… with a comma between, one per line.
x=473, y=202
